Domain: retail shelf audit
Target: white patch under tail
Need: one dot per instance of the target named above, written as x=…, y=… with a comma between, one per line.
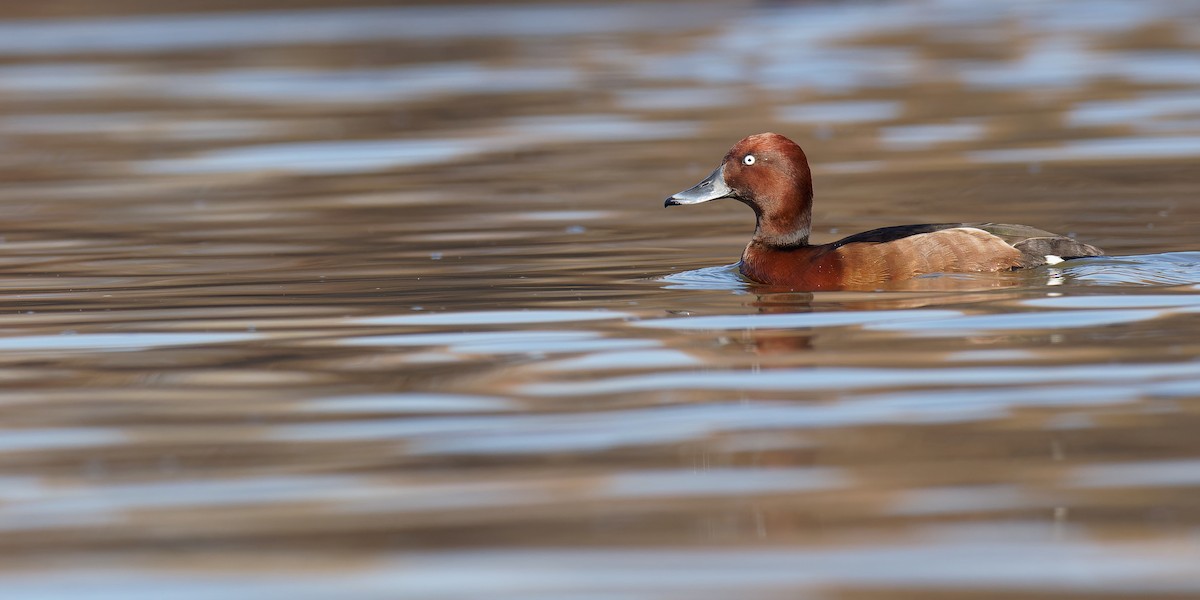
x=1053, y=260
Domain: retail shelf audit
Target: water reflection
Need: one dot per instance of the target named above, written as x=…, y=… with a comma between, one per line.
x=375, y=155
x=843, y=378
x=1098, y=149
x=284, y=86
x=410, y=403
x=842, y=112
x=320, y=157
x=1149, y=112
x=143, y=34
x=910, y=137
x=70, y=340
x=951, y=560
x=138, y=126
x=797, y=320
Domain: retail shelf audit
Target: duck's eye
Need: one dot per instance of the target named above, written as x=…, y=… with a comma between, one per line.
x=748, y=159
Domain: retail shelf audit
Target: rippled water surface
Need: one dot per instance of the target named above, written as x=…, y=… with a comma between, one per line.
x=312, y=300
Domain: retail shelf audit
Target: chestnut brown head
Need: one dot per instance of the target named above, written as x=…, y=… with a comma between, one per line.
x=769, y=173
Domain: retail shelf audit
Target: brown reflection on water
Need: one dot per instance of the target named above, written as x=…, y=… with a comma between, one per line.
x=325, y=301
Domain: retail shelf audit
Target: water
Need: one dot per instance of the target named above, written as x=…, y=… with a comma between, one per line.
x=310, y=300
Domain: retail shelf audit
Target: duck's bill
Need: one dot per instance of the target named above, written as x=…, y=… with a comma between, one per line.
x=712, y=188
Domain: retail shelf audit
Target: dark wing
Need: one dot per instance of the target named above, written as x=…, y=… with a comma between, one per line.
x=891, y=234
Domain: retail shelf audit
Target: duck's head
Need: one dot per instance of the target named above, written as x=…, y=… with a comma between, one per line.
x=769, y=173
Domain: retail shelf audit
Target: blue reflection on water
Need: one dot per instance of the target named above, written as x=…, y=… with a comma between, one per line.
x=1168, y=268
x=801, y=320
x=834, y=378
x=495, y=317
x=846, y=111
x=265, y=28
x=362, y=156
x=724, y=277
x=1121, y=148
x=119, y=341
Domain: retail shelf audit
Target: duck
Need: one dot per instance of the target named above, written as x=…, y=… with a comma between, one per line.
x=769, y=173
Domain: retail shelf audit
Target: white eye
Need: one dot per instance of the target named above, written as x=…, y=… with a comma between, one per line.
x=748, y=159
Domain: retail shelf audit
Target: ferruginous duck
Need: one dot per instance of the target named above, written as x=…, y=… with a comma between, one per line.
x=770, y=173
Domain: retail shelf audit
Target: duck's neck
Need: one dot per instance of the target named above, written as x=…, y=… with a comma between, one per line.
x=784, y=224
